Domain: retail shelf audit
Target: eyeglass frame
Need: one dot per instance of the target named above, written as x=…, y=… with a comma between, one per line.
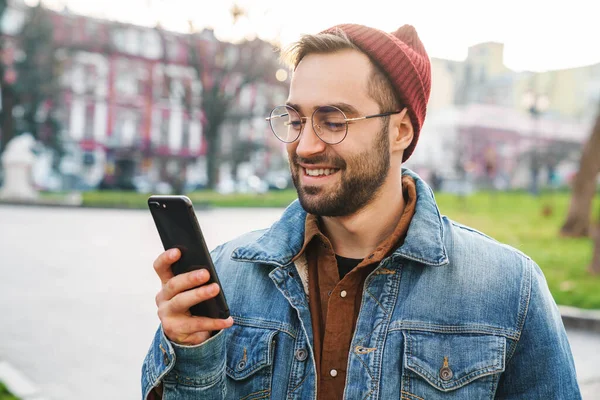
x=305, y=119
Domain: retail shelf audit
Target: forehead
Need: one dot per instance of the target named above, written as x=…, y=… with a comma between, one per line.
x=340, y=77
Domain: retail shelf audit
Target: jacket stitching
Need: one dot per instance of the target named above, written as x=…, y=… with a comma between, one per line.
x=524, y=310
x=403, y=326
x=412, y=396
x=369, y=393
x=264, y=394
x=474, y=375
x=368, y=335
x=366, y=367
x=297, y=369
x=377, y=301
x=393, y=287
x=157, y=378
x=298, y=385
x=193, y=382
x=264, y=324
x=527, y=285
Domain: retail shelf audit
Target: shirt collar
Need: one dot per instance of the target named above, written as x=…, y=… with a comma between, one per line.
x=284, y=240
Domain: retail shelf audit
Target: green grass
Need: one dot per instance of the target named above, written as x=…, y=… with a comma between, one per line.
x=517, y=220
x=514, y=218
x=5, y=395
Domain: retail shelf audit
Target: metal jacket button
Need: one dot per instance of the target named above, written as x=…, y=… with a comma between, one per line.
x=301, y=354
x=446, y=373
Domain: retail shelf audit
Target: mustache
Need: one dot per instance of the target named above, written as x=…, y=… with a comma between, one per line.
x=335, y=162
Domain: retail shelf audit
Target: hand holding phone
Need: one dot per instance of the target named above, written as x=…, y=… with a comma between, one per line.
x=191, y=304
x=177, y=295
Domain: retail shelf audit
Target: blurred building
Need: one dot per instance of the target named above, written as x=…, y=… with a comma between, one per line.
x=482, y=115
x=131, y=101
x=131, y=105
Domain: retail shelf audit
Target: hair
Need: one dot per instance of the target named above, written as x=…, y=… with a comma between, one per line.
x=379, y=88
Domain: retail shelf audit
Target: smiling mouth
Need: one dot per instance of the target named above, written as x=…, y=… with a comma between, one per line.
x=316, y=172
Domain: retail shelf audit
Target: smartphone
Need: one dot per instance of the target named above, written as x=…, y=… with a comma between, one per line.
x=178, y=227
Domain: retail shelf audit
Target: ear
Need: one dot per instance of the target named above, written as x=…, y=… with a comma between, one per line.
x=401, y=131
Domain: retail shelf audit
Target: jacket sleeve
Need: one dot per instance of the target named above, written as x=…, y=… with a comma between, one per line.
x=541, y=366
x=185, y=372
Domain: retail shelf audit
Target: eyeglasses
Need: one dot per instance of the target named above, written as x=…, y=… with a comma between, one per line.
x=329, y=123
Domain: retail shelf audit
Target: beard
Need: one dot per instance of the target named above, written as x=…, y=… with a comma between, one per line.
x=361, y=177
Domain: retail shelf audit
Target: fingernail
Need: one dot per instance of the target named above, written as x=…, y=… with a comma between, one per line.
x=200, y=274
x=173, y=253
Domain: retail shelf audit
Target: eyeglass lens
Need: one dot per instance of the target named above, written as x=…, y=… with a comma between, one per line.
x=328, y=122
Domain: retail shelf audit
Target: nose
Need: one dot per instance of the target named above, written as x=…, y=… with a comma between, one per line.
x=309, y=143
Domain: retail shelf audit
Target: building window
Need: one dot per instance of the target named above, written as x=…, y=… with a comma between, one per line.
x=185, y=139
x=89, y=122
x=127, y=79
x=91, y=29
x=164, y=132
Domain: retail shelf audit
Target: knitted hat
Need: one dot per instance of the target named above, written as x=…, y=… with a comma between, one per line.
x=403, y=58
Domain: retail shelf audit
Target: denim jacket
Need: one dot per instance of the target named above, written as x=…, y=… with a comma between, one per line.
x=451, y=314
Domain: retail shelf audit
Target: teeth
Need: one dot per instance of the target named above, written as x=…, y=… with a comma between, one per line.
x=319, y=172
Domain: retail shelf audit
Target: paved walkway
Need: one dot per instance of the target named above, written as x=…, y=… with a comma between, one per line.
x=77, y=297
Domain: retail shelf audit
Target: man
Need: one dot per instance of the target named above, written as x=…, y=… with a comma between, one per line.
x=362, y=290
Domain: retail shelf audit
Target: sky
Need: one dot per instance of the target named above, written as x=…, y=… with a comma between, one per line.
x=537, y=35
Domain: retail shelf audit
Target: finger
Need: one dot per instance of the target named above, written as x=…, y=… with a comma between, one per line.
x=162, y=264
x=194, y=330
x=195, y=339
x=181, y=302
x=194, y=325
x=183, y=282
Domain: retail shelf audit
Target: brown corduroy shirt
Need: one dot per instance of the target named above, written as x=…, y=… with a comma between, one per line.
x=334, y=304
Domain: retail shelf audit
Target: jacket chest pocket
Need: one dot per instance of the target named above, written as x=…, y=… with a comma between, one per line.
x=451, y=366
x=250, y=354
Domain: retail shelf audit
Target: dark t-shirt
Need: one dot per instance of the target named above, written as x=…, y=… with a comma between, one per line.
x=346, y=265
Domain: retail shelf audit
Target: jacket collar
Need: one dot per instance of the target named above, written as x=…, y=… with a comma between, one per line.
x=424, y=241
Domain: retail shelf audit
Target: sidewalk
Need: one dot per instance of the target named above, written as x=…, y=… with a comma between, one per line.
x=577, y=318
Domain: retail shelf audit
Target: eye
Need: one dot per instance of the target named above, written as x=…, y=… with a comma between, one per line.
x=334, y=125
x=297, y=124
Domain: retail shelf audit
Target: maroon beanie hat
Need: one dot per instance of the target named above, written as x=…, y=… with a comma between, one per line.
x=403, y=58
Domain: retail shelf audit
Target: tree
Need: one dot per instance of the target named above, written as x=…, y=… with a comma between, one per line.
x=31, y=83
x=222, y=86
x=595, y=265
x=577, y=223
x=225, y=70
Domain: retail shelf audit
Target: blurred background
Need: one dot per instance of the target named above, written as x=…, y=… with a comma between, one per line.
x=104, y=103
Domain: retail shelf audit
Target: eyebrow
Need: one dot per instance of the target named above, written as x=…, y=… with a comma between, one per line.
x=346, y=108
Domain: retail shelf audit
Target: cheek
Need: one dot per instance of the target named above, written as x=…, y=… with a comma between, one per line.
x=291, y=152
x=291, y=148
